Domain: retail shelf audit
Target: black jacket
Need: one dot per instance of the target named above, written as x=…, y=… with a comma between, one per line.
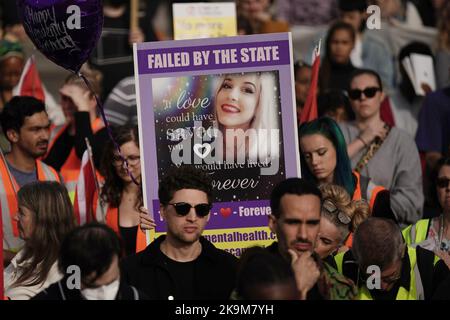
x=59, y=291
x=214, y=272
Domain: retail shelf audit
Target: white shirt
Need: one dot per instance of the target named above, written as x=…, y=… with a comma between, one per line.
x=13, y=271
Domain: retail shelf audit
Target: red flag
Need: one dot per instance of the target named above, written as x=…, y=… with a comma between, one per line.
x=309, y=111
x=84, y=193
x=30, y=83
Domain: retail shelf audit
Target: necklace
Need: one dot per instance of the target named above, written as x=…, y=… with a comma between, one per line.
x=444, y=244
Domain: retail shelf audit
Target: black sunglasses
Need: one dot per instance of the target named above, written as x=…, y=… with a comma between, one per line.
x=183, y=208
x=443, y=182
x=370, y=92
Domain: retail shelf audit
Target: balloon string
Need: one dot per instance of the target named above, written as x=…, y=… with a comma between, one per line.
x=108, y=127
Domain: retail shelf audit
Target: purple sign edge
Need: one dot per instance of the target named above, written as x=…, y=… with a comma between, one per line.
x=148, y=152
x=283, y=57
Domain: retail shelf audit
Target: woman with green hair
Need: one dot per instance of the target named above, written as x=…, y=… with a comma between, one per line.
x=324, y=158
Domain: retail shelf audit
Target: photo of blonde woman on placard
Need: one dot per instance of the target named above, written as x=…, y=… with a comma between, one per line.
x=246, y=108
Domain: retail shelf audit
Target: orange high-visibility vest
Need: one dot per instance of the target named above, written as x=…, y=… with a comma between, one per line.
x=70, y=170
x=110, y=216
x=371, y=193
x=370, y=196
x=8, y=199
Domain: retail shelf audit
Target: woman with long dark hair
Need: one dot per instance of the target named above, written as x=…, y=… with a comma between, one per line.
x=120, y=201
x=336, y=65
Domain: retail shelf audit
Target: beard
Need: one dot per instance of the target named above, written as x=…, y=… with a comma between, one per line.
x=32, y=151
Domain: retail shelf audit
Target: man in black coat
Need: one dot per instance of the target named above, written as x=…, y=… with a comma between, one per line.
x=182, y=264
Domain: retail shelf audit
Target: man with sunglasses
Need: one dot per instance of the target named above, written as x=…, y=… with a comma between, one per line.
x=385, y=268
x=295, y=219
x=182, y=264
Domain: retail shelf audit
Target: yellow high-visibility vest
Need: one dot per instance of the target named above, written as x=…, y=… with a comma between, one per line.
x=416, y=233
x=415, y=290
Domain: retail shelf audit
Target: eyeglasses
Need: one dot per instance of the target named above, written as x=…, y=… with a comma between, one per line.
x=131, y=160
x=183, y=208
x=329, y=206
x=355, y=94
x=392, y=279
x=442, y=182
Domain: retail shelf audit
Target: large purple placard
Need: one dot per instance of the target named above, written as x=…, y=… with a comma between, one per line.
x=226, y=106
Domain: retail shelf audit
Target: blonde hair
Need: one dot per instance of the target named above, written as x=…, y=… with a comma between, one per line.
x=94, y=76
x=356, y=210
x=266, y=113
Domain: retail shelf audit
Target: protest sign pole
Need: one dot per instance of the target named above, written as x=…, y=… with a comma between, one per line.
x=134, y=17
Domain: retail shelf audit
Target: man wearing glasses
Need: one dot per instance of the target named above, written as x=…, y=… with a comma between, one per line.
x=385, y=268
x=182, y=264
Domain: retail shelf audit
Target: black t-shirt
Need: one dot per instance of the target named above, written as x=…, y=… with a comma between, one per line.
x=129, y=235
x=183, y=276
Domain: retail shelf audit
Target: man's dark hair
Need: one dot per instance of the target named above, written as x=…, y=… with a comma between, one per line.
x=294, y=186
x=331, y=101
x=17, y=109
x=92, y=248
x=360, y=72
x=259, y=268
x=184, y=177
x=414, y=47
x=300, y=64
x=431, y=194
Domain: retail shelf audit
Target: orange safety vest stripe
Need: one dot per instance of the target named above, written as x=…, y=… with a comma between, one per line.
x=374, y=196
x=358, y=196
x=349, y=241
x=357, y=192
x=41, y=172
x=11, y=186
x=112, y=220
x=55, y=133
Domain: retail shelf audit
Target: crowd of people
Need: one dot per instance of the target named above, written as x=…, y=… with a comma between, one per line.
x=368, y=219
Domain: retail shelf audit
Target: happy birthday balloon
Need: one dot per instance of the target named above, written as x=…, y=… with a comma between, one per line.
x=65, y=31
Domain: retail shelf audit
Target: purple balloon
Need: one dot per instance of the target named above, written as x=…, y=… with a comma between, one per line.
x=65, y=31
